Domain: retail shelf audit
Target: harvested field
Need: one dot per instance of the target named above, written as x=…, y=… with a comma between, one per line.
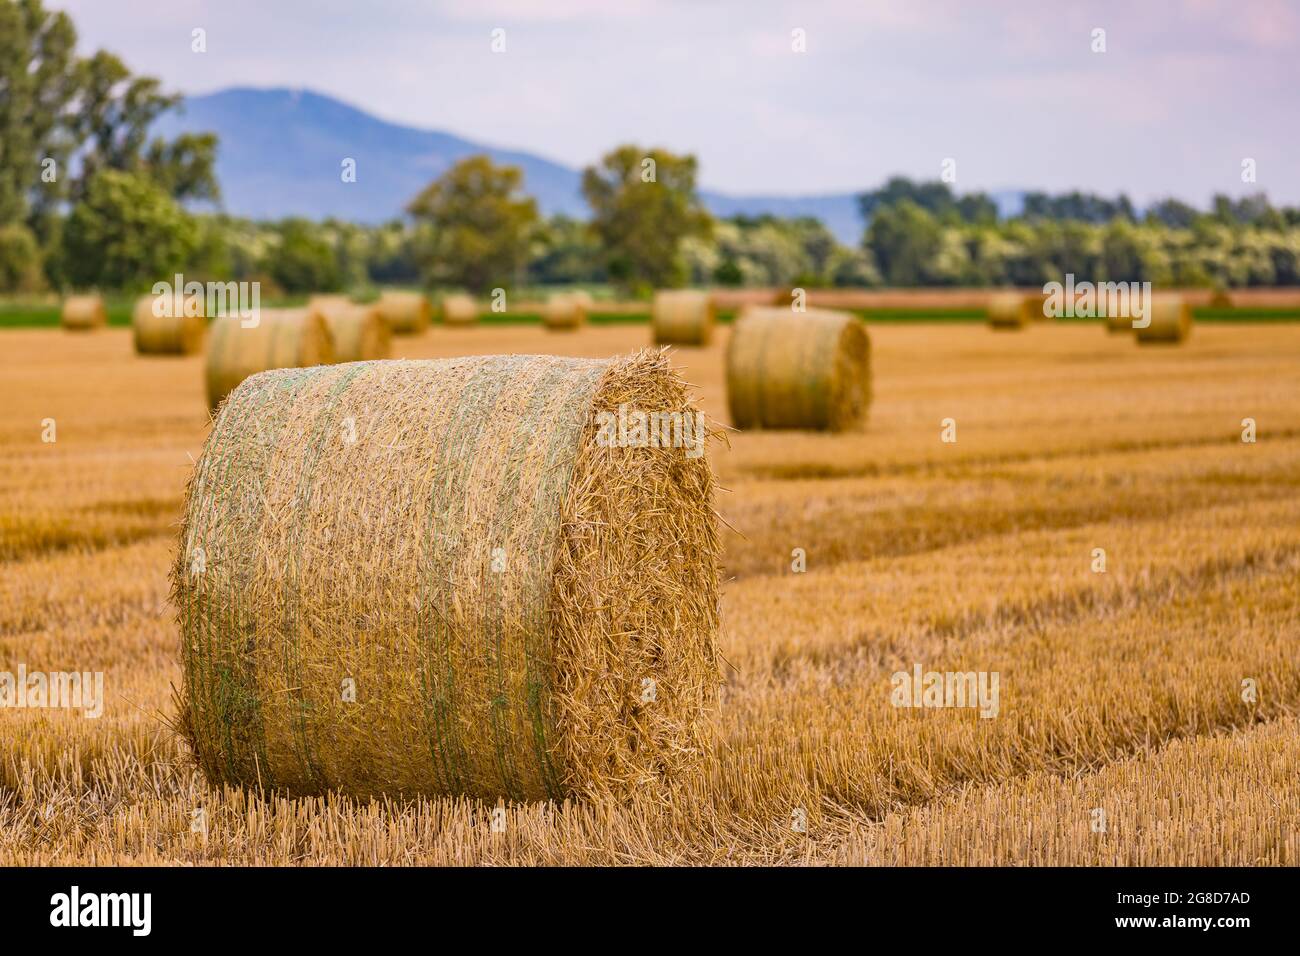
x=1120, y=689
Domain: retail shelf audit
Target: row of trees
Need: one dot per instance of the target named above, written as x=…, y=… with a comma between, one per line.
x=75, y=134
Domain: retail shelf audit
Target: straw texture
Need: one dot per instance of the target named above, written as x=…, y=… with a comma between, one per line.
x=1011, y=310
x=168, y=334
x=459, y=310
x=1171, y=321
x=809, y=370
x=564, y=312
x=282, y=338
x=84, y=313
x=524, y=612
x=682, y=317
x=359, y=332
x=406, y=313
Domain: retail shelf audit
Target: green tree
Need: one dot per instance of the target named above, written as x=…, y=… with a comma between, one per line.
x=125, y=233
x=20, y=259
x=565, y=251
x=480, y=226
x=38, y=82
x=115, y=113
x=905, y=240
x=643, y=204
x=303, y=260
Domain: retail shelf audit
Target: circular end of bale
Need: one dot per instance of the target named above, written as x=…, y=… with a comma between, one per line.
x=475, y=576
x=1170, y=321
x=459, y=310
x=798, y=370
x=564, y=312
x=278, y=338
x=682, y=317
x=359, y=332
x=162, y=326
x=84, y=313
x=406, y=313
x=1009, y=311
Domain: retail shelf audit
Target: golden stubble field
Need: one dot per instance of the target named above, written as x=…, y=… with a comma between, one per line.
x=1120, y=692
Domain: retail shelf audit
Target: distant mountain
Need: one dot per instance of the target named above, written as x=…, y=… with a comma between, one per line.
x=281, y=153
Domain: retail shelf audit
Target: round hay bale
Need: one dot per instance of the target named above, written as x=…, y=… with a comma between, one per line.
x=682, y=317
x=359, y=332
x=809, y=370
x=564, y=312
x=434, y=578
x=407, y=313
x=1171, y=321
x=459, y=310
x=289, y=338
x=168, y=333
x=322, y=300
x=84, y=313
x=1219, y=299
x=1008, y=311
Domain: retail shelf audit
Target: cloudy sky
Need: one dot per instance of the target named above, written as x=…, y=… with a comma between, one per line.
x=1011, y=90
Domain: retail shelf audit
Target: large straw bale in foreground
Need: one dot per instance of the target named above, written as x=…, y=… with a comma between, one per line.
x=1171, y=321
x=1008, y=311
x=808, y=370
x=407, y=313
x=564, y=312
x=288, y=338
x=359, y=332
x=431, y=577
x=682, y=317
x=459, y=310
x=177, y=331
x=84, y=313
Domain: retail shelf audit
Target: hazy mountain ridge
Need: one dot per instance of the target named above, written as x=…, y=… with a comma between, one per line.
x=282, y=151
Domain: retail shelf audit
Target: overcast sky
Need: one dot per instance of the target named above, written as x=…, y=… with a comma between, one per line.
x=1011, y=90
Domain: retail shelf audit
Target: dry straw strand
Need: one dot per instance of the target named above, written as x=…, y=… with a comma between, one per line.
x=359, y=332
x=1011, y=310
x=682, y=317
x=289, y=338
x=808, y=370
x=459, y=310
x=407, y=313
x=564, y=312
x=173, y=332
x=1170, y=321
x=84, y=313
x=500, y=587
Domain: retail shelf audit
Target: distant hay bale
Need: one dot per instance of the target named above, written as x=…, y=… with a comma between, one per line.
x=435, y=578
x=1012, y=310
x=327, y=299
x=1219, y=299
x=289, y=338
x=459, y=310
x=359, y=332
x=1171, y=321
x=809, y=370
x=407, y=313
x=1118, y=321
x=564, y=312
x=169, y=333
x=84, y=313
x=682, y=317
